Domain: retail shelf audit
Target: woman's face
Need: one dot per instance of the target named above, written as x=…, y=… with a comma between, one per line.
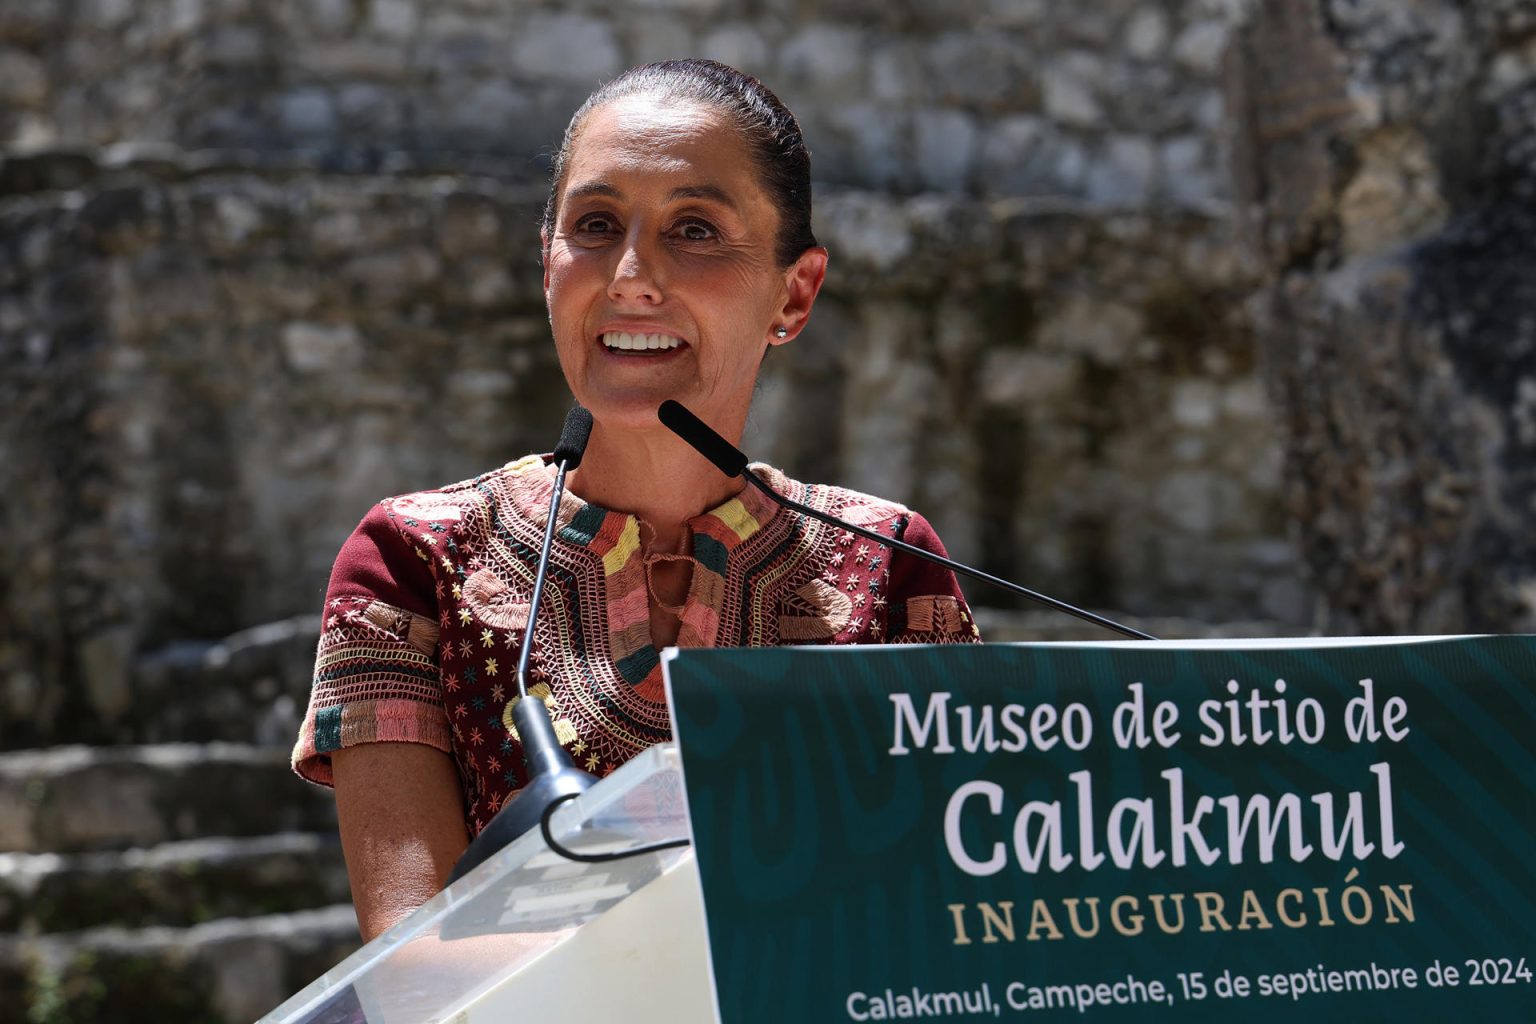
x=660, y=273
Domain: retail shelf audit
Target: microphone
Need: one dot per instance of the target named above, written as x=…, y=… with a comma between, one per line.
x=730, y=461
x=727, y=458
x=574, y=434
x=552, y=776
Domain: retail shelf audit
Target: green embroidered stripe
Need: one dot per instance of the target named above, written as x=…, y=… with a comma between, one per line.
x=583, y=526
x=328, y=729
x=637, y=666
x=711, y=553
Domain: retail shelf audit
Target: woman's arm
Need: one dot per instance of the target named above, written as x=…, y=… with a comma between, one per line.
x=402, y=827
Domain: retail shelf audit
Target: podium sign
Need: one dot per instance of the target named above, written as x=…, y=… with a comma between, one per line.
x=1213, y=831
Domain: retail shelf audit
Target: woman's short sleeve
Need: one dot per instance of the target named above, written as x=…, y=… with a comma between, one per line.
x=926, y=604
x=377, y=677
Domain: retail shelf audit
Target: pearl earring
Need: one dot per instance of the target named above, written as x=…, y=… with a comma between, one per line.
x=781, y=332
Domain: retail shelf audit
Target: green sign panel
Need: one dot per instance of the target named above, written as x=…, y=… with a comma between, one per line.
x=1124, y=832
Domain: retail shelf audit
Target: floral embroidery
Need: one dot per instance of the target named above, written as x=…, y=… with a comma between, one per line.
x=760, y=576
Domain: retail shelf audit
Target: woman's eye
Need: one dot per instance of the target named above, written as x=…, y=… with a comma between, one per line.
x=695, y=231
x=596, y=224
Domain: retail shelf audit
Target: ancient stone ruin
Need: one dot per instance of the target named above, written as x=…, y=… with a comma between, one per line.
x=1214, y=314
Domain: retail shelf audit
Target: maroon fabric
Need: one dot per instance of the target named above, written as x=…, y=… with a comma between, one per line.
x=427, y=610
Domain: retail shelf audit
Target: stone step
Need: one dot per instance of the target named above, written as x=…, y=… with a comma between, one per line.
x=177, y=884
x=69, y=799
x=229, y=971
x=249, y=687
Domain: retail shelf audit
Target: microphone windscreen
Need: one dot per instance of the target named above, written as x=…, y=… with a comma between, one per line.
x=702, y=438
x=573, y=437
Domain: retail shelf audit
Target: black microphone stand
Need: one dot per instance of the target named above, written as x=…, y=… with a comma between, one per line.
x=552, y=776
x=730, y=461
x=901, y=545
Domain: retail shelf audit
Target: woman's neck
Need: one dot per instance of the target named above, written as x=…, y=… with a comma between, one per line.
x=654, y=475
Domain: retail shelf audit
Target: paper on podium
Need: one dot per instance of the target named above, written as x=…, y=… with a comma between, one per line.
x=529, y=933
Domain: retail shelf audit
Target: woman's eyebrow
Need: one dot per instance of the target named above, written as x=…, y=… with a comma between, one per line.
x=715, y=193
x=592, y=188
x=710, y=192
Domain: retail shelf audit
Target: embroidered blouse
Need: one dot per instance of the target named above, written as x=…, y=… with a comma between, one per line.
x=428, y=605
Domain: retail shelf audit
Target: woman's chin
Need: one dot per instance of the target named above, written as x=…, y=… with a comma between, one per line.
x=630, y=409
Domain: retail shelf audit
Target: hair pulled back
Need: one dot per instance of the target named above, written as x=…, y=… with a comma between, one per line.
x=771, y=133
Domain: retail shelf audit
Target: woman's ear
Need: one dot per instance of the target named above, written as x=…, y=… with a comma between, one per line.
x=802, y=283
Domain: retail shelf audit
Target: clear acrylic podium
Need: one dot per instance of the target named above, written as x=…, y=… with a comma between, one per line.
x=531, y=935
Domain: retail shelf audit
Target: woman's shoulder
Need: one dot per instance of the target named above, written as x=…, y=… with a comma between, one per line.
x=396, y=551
x=870, y=511
x=857, y=507
x=457, y=501
x=921, y=602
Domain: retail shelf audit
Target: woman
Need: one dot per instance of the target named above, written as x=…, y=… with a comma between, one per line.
x=677, y=250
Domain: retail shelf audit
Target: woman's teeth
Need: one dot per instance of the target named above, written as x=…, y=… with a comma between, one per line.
x=640, y=342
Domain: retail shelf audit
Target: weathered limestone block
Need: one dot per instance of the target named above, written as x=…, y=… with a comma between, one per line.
x=321, y=348
x=236, y=48
x=739, y=45
x=1105, y=332
x=80, y=798
x=174, y=884
x=945, y=143
x=868, y=229
x=660, y=37
x=886, y=386
x=1147, y=33
x=1018, y=14
x=1200, y=46
x=374, y=62
x=393, y=19
x=1015, y=156
x=1069, y=93
x=472, y=48
x=227, y=971
x=1122, y=172
x=566, y=48
x=1396, y=333
x=1192, y=172
x=979, y=67
x=23, y=79
x=306, y=113
x=828, y=59
x=326, y=17
x=699, y=7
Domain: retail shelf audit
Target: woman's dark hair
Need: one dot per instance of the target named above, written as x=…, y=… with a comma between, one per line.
x=771, y=132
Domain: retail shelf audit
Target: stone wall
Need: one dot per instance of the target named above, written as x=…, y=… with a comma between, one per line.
x=1388, y=172
x=1116, y=101
x=215, y=370
x=262, y=263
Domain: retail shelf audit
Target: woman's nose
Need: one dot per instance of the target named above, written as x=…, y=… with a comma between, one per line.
x=634, y=276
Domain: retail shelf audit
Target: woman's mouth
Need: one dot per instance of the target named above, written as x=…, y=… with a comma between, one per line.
x=623, y=341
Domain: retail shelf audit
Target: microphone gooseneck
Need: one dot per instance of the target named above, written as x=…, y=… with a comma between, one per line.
x=552, y=776
x=725, y=456
x=573, y=445
x=730, y=461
